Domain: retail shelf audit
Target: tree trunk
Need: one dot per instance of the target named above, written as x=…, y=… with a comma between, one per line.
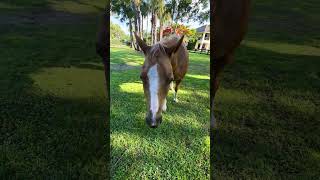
x=161, y=30
x=131, y=35
x=140, y=20
x=154, y=28
x=142, y=34
x=152, y=20
x=136, y=29
x=136, y=22
x=147, y=26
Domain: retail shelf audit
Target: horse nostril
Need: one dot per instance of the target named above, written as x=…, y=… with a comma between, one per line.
x=153, y=125
x=150, y=123
x=160, y=120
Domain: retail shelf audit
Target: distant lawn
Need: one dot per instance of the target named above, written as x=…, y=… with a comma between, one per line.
x=180, y=146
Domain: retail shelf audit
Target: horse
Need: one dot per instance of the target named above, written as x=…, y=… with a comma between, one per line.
x=103, y=44
x=230, y=20
x=165, y=62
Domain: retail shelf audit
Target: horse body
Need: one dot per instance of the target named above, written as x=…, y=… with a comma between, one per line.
x=179, y=62
x=165, y=62
x=230, y=19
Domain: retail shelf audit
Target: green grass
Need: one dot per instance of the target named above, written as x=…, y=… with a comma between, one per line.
x=180, y=146
x=52, y=95
x=52, y=100
x=267, y=108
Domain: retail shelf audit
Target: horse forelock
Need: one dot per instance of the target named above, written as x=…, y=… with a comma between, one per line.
x=160, y=46
x=156, y=50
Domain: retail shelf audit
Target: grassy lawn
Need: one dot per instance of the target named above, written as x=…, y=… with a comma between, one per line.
x=180, y=146
x=267, y=108
x=52, y=95
x=52, y=100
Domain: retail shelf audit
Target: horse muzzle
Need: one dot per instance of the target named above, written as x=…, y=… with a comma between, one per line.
x=153, y=123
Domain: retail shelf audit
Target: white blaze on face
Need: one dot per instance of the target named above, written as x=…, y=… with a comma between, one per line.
x=153, y=76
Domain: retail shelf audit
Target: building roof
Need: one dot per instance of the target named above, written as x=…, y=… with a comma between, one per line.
x=205, y=28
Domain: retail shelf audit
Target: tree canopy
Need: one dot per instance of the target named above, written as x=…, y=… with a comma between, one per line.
x=116, y=33
x=163, y=12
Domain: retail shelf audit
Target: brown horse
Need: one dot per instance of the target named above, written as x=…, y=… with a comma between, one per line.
x=102, y=43
x=165, y=62
x=230, y=20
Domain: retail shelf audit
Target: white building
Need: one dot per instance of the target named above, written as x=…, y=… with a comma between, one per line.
x=204, y=38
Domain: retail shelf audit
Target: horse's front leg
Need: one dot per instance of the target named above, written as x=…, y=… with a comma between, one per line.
x=175, y=90
x=164, y=106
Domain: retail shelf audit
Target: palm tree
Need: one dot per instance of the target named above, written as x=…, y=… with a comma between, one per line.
x=145, y=9
x=164, y=18
x=157, y=10
x=124, y=10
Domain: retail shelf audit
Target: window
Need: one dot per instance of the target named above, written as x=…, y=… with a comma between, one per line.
x=207, y=36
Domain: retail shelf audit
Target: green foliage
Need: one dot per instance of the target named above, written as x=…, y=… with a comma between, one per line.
x=122, y=9
x=192, y=39
x=188, y=10
x=117, y=34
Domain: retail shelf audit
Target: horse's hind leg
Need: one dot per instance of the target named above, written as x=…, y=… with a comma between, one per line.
x=175, y=97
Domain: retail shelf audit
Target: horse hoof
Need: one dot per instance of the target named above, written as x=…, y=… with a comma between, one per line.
x=164, y=107
x=175, y=100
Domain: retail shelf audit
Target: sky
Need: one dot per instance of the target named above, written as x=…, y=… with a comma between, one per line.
x=114, y=19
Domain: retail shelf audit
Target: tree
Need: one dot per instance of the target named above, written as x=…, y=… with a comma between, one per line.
x=175, y=11
x=145, y=9
x=124, y=10
x=186, y=10
x=164, y=17
x=135, y=4
x=116, y=33
x=158, y=11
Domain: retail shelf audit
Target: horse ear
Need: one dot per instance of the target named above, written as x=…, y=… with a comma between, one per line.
x=141, y=43
x=174, y=48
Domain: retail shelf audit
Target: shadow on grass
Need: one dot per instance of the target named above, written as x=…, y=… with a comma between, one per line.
x=274, y=132
x=45, y=135
x=251, y=143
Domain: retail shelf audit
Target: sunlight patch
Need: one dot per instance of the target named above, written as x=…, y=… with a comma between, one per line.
x=285, y=48
x=206, y=144
x=315, y=155
x=302, y=105
x=131, y=87
x=70, y=82
x=197, y=76
x=236, y=96
x=133, y=64
x=8, y=6
x=81, y=7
